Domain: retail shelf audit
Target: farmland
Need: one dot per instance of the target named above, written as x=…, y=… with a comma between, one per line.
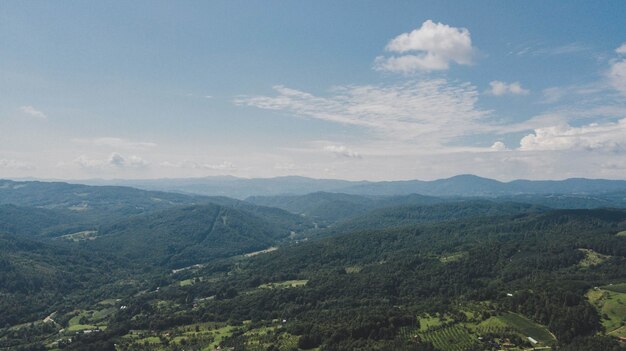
x=448, y=334
x=611, y=304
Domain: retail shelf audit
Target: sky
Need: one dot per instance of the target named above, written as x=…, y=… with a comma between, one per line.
x=359, y=90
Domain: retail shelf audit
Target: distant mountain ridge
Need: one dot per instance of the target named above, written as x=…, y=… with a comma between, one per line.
x=330, y=207
x=460, y=185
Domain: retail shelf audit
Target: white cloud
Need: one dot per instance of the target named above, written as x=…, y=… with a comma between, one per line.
x=499, y=88
x=621, y=49
x=431, y=47
x=132, y=161
x=617, y=76
x=342, y=151
x=498, y=146
x=116, y=143
x=33, y=112
x=610, y=136
x=115, y=160
x=423, y=112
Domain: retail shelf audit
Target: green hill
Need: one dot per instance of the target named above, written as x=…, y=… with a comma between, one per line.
x=331, y=207
x=36, y=278
x=185, y=236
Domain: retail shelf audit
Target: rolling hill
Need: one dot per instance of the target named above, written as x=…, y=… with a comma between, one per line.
x=180, y=237
x=331, y=207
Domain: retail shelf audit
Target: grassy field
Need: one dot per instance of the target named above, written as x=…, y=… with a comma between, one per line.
x=429, y=322
x=262, y=338
x=592, y=258
x=452, y=257
x=527, y=327
x=80, y=236
x=618, y=288
x=186, y=282
x=199, y=336
x=88, y=320
x=611, y=304
x=353, y=269
x=285, y=284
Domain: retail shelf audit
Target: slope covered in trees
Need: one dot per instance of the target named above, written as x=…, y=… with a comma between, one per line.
x=185, y=236
x=331, y=207
x=369, y=288
x=36, y=278
x=410, y=277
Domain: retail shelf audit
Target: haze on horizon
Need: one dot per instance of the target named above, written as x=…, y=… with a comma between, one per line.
x=349, y=90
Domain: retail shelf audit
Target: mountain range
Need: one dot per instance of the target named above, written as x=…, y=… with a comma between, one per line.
x=460, y=185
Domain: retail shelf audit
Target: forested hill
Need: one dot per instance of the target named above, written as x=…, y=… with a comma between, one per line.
x=34, y=221
x=397, y=216
x=55, y=208
x=180, y=237
x=117, y=268
x=38, y=278
x=97, y=202
x=331, y=207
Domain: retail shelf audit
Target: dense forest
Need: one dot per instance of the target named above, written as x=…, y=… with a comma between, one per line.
x=389, y=273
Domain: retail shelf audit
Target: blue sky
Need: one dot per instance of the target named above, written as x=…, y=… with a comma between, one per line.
x=326, y=89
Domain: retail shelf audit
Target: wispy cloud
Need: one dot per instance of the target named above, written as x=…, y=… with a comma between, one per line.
x=33, y=112
x=116, y=143
x=426, y=111
x=542, y=49
x=431, y=47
